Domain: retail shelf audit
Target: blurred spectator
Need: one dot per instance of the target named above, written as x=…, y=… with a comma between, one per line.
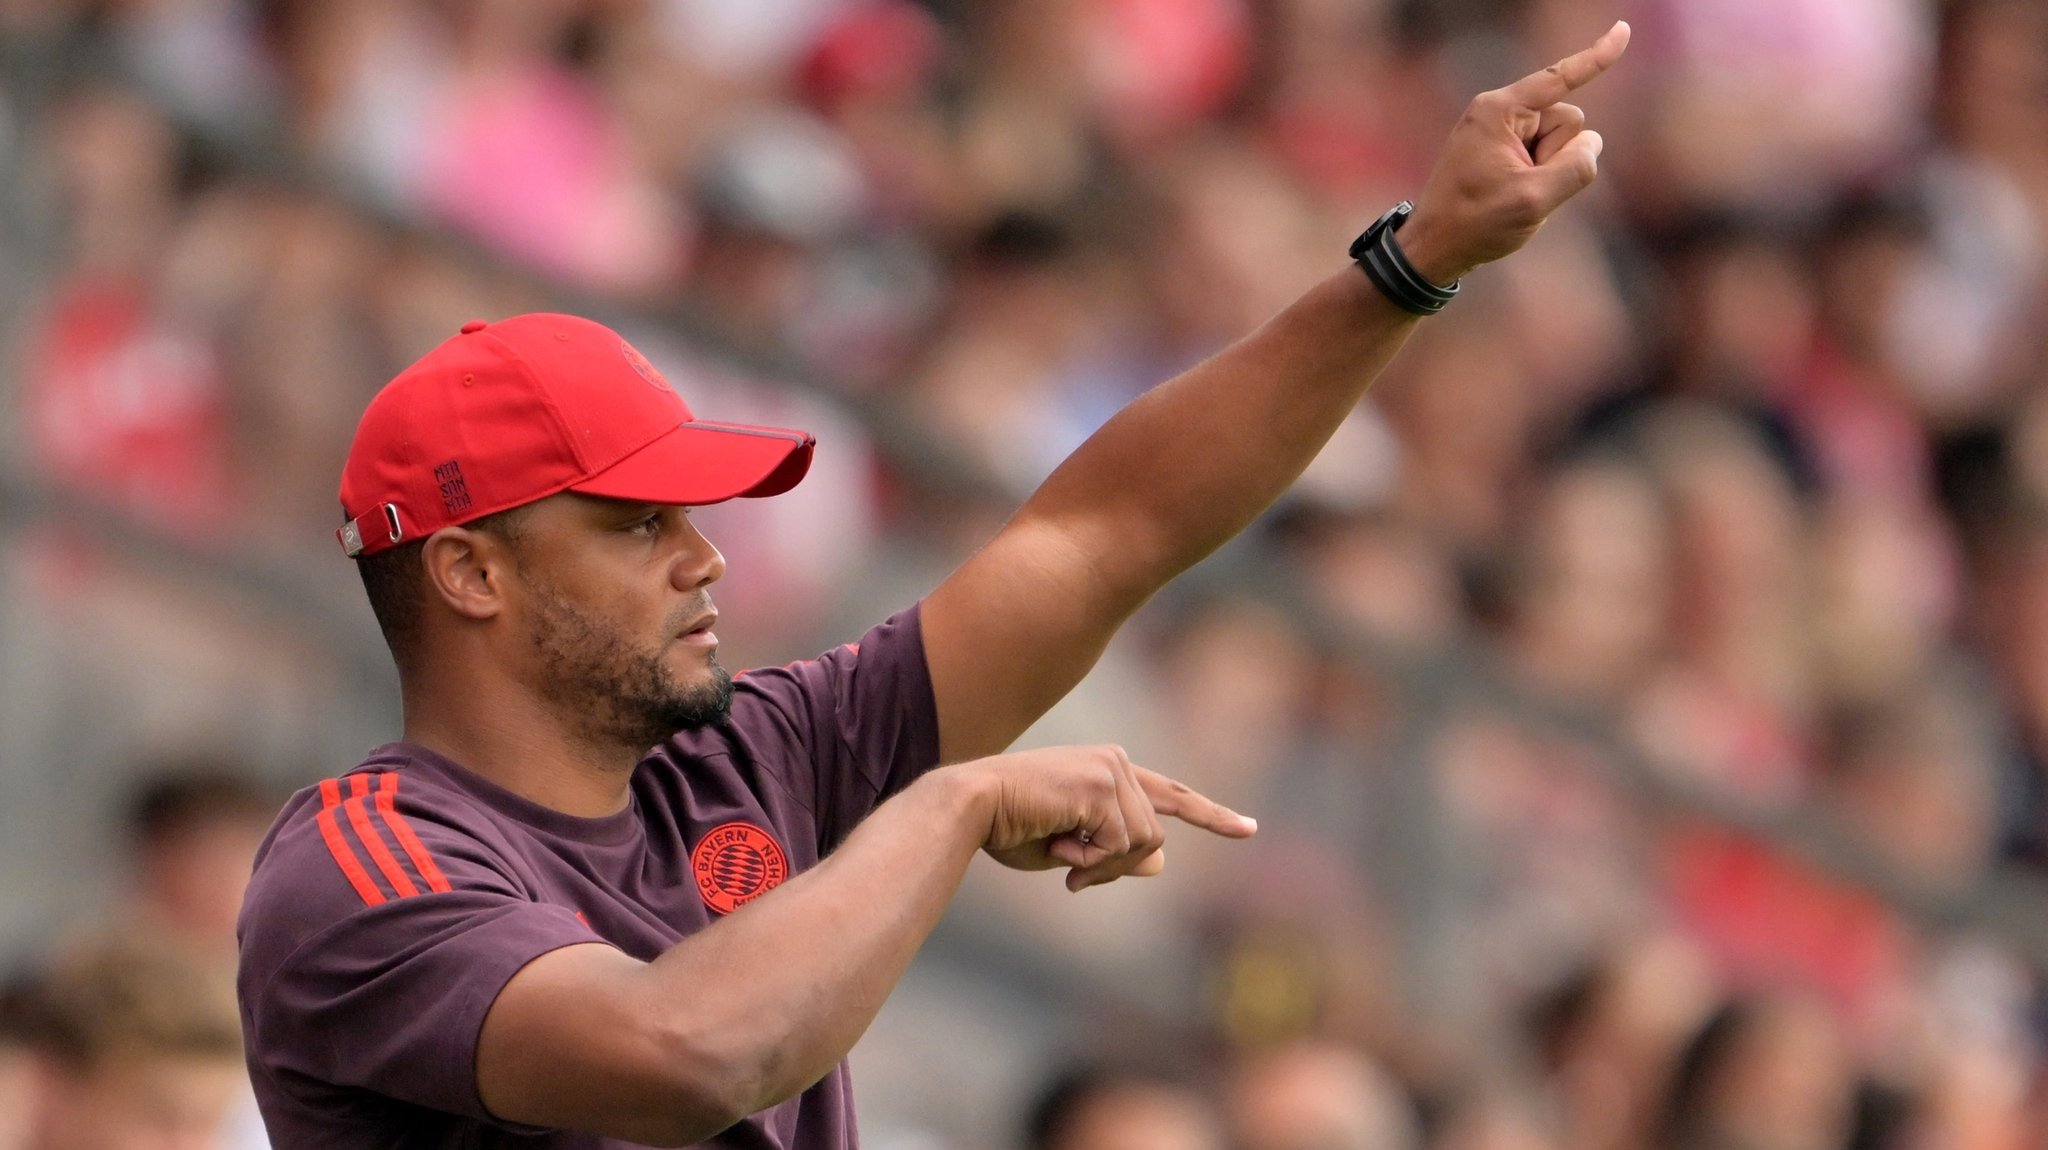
x=124, y=396
x=1917, y=780
x=1734, y=703
x=1381, y=574
x=1464, y=410
x=1736, y=119
x=1497, y=1114
x=1764, y=916
x=1318, y=1096
x=1886, y=575
x=17, y=1075
x=1590, y=595
x=1851, y=403
x=1991, y=107
x=1769, y=1072
x=193, y=830
x=1610, y=1036
x=1105, y=1108
x=131, y=1046
x=2014, y=617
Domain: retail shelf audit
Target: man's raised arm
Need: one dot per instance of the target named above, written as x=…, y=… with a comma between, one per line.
x=1192, y=462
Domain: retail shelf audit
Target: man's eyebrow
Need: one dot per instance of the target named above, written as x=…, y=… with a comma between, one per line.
x=622, y=510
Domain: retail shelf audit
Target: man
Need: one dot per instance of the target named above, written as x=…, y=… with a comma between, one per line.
x=520, y=926
x=1123, y=1108
x=193, y=827
x=130, y=1045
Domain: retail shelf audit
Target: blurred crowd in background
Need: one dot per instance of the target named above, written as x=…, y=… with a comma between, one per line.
x=1712, y=525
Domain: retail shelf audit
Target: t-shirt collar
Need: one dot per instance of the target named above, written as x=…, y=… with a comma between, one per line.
x=606, y=830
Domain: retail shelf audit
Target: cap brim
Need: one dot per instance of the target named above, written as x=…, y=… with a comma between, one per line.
x=701, y=462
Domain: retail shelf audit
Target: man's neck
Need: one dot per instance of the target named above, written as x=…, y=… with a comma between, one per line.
x=524, y=750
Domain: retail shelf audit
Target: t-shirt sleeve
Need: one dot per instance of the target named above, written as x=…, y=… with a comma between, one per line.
x=352, y=980
x=859, y=718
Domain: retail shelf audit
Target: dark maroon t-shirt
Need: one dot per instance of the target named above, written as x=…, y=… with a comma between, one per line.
x=391, y=905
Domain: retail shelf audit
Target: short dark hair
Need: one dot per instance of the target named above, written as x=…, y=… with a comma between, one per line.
x=395, y=585
x=176, y=797
x=121, y=995
x=1053, y=1113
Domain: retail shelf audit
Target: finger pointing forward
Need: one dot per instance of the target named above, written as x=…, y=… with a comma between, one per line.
x=1542, y=89
x=1180, y=801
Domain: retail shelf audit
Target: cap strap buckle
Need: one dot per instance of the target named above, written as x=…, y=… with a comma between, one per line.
x=351, y=533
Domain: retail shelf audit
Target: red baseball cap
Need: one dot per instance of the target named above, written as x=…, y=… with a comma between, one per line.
x=507, y=413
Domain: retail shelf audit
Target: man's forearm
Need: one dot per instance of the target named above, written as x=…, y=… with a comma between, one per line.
x=782, y=990
x=745, y=1013
x=779, y=992
x=1193, y=461
x=755, y=1008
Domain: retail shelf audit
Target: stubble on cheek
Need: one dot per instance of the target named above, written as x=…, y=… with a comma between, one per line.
x=611, y=691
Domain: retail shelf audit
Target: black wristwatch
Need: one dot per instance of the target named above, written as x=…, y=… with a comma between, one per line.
x=1387, y=266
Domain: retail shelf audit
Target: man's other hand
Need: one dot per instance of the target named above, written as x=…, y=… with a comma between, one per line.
x=1090, y=809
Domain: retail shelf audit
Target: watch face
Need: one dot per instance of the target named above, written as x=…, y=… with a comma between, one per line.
x=1394, y=218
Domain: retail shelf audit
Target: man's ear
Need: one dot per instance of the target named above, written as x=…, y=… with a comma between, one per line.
x=467, y=570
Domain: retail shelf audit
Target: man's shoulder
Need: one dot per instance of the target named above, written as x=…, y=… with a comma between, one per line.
x=362, y=840
x=884, y=661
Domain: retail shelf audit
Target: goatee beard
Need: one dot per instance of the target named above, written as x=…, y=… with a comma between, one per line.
x=612, y=693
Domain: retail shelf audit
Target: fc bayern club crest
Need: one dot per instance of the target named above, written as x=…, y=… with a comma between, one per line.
x=647, y=370
x=735, y=864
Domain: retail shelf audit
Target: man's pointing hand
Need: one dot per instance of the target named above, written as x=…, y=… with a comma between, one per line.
x=1516, y=154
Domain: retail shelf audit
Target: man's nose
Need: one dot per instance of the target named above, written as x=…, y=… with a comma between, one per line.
x=699, y=564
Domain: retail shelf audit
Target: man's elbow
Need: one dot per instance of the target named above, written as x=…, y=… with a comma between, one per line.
x=710, y=1083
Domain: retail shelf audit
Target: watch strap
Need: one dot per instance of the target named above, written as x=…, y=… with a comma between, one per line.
x=1380, y=254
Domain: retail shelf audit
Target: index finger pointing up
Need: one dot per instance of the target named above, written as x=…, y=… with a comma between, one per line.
x=1542, y=89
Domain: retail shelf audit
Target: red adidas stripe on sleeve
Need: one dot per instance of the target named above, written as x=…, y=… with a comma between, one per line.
x=387, y=806
x=337, y=845
x=359, y=818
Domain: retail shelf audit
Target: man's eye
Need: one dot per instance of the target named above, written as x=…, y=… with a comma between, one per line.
x=648, y=526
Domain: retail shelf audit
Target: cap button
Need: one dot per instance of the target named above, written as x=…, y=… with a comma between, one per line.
x=473, y=326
